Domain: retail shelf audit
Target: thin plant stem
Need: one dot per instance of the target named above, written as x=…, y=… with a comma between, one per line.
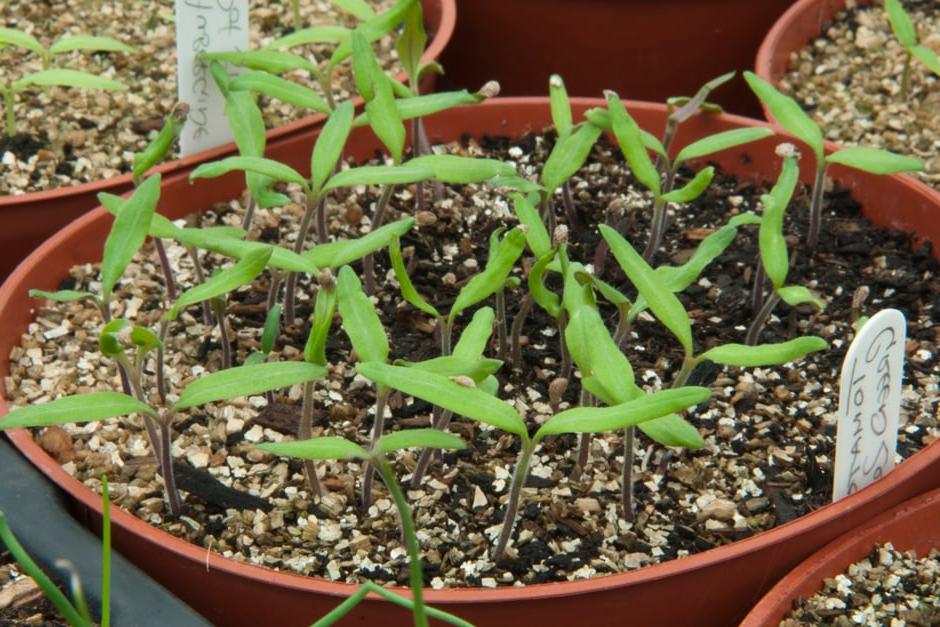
x=166, y=467
x=547, y=211
x=200, y=278
x=753, y=332
x=322, y=234
x=815, y=208
x=378, y=427
x=161, y=359
x=219, y=307
x=566, y=365
x=567, y=200
x=167, y=270
x=75, y=589
x=658, y=224
x=445, y=328
x=906, y=76
x=516, y=332
x=501, y=323
x=306, y=433
x=623, y=325
x=133, y=376
x=9, y=101
x=519, y=476
x=368, y=264
x=295, y=5
x=584, y=442
x=249, y=214
x=427, y=455
x=273, y=290
x=291, y=286
x=688, y=365
x=757, y=290
x=356, y=597
x=626, y=486
x=105, y=552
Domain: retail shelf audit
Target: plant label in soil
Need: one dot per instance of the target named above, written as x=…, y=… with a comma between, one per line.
x=206, y=26
x=870, y=403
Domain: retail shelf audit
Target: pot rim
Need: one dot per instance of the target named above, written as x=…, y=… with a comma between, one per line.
x=776, y=537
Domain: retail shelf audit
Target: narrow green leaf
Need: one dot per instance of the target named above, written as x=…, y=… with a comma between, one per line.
x=412, y=41
x=441, y=391
x=408, y=291
x=560, y=105
x=673, y=430
x=144, y=339
x=456, y=170
x=690, y=106
x=323, y=310
x=597, y=355
x=313, y=35
x=928, y=57
x=360, y=320
x=330, y=143
x=662, y=302
x=157, y=149
x=745, y=356
x=89, y=43
x=272, y=61
x=788, y=113
x=86, y=407
x=62, y=296
x=379, y=175
x=795, y=295
x=601, y=119
x=773, y=246
x=575, y=294
x=247, y=124
x=260, y=165
x=498, y=267
x=603, y=419
x=363, y=66
x=540, y=242
x=228, y=280
x=610, y=293
x=358, y=8
x=280, y=89
x=68, y=78
x=128, y=233
x=721, y=141
x=476, y=335
x=568, y=155
x=20, y=39
x=875, y=161
x=544, y=297
x=110, y=342
x=693, y=189
x=341, y=252
x=476, y=368
x=419, y=438
x=901, y=23
x=246, y=381
x=272, y=326
x=324, y=447
x=254, y=359
x=373, y=29
x=631, y=144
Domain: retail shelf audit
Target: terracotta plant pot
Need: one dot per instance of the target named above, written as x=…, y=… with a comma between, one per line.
x=644, y=49
x=911, y=526
x=29, y=219
x=715, y=587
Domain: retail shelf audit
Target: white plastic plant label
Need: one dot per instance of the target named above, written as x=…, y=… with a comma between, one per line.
x=870, y=403
x=206, y=26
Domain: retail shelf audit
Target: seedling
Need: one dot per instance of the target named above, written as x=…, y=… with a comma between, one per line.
x=76, y=611
x=796, y=122
x=377, y=456
x=51, y=77
x=906, y=33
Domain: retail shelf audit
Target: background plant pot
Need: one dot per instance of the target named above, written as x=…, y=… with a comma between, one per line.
x=30, y=219
x=233, y=593
x=911, y=526
x=644, y=49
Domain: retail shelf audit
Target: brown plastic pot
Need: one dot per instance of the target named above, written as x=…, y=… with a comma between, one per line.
x=29, y=219
x=643, y=49
x=911, y=526
x=716, y=587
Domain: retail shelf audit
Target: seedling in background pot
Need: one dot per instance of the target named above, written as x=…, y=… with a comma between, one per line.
x=796, y=122
x=906, y=33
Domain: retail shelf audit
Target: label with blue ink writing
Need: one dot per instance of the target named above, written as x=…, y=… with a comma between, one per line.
x=870, y=403
x=206, y=26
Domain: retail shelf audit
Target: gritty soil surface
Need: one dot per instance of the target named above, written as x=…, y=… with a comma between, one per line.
x=850, y=80
x=22, y=601
x=768, y=431
x=886, y=588
x=72, y=136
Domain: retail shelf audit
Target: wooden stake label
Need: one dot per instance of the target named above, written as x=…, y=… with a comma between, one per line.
x=206, y=26
x=870, y=403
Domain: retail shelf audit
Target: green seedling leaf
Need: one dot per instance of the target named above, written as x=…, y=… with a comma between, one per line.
x=447, y=394
x=543, y=297
x=323, y=310
x=745, y=356
x=788, y=113
x=875, y=161
x=272, y=61
x=254, y=359
x=498, y=267
x=330, y=143
x=408, y=291
x=259, y=165
x=82, y=408
x=603, y=419
x=242, y=273
x=693, y=189
x=928, y=57
x=540, y=243
x=662, y=302
x=575, y=294
x=363, y=66
x=412, y=41
x=128, y=233
x=419, y=438
x=568, y=155
x=246, y=381
x=324, y=447
x=598, y=356
x=560, y=105
x=374, y=86
x=272, y=325
x=689, y=106
x=610, y=293
x=280, y=89
x=62, y=296
x=144, y=339
x=360, y=320
x=89, y=43
x=631, y=144
x=339, y=253
x=901, y=23
x=379, y=175
x=67, y=78
x=601, y=119
x=247, y=124
x=13, y=37
x=109, y=340
x=673, y=430
x=721, y=141
x=476, y=368
x=476, y=335
x=313, y=35
x=773, y=246
x=358, y=8
x=373, y=29
x=157, y=149
x=456, y=170
x=429, y=104
x=795, y=295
